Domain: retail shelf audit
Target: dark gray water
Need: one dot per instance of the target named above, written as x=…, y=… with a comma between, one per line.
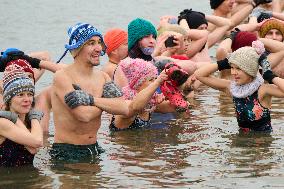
x=201, y=150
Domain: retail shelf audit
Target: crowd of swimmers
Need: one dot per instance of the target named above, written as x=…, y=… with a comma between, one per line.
x=149, y=69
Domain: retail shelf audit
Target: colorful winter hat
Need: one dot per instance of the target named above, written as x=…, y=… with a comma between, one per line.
x=269, y=25
x=139, y=28
x=80, y=34
x=20, y=64
x=114, y=38
x=15, y=81
x=243, y=39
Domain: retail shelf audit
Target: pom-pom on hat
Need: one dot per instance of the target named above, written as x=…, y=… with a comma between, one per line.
x=246, y=58
x=139, y=28
x=243, y=39
x=215, y=3
x=80, y=34
x=114, y=38
x=269, y=25
x=15, y=81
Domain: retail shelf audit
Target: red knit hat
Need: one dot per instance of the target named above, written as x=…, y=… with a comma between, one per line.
x=114, y=38
x=22, y=65
x=243, y=39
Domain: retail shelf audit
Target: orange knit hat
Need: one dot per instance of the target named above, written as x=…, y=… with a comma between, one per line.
x=114, y=38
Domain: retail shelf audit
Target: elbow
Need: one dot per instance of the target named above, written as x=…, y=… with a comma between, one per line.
x=197, y=74
x=221, y=53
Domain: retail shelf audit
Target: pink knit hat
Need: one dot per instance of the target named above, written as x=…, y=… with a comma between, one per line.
x=136, y=71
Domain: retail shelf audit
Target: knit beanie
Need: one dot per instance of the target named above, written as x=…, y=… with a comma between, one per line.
x=114, y=38
x=194, y=19
x=243, y=39
x=79, y=35
x=215, y=3
x=15, y=81
x=269, y=25
x=246, y=58
x=139, y=28
x=172, y=28
x=20, y=64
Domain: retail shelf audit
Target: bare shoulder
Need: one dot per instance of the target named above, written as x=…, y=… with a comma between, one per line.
x=102, y=74
x=5, y=124
x=60, y=75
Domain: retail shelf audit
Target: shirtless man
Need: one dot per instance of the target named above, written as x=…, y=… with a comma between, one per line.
x=80, y=94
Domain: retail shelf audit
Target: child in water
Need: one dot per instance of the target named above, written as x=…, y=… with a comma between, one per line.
x=251, y=97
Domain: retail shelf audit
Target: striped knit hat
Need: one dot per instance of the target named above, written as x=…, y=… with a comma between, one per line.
x=139, y=28
x=15, y=81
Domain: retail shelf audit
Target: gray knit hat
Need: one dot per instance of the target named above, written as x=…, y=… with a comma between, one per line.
x=246, y=58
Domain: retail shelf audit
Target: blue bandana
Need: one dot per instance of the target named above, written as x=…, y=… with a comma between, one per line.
x=79, y=34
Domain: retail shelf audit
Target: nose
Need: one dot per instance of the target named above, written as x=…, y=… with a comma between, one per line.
x=274, y=36
x=27, y=98
x=99, y=47
x=152, y=39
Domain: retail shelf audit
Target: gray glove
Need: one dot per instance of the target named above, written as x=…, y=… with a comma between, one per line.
x=160, y=64
x=256, y=12
x=12, y=116
x=78, y=98
x=264, y=63
x=111, y=90
x=34, y=114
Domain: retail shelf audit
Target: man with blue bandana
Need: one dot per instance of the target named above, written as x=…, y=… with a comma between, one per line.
x=80, y=94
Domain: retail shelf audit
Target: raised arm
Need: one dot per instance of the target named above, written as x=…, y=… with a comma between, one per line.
x=199, y=39
x=203, y=75
x=143, y=97
x=225, y=47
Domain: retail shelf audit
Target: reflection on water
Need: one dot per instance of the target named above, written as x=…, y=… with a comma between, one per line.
x=201, y=150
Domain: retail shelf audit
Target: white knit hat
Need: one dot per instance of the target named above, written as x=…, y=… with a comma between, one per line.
x=246, y=58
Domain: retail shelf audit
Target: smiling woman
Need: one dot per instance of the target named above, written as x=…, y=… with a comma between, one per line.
x=20, y=130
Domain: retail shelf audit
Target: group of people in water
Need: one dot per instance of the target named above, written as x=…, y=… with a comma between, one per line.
x=149, y=69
